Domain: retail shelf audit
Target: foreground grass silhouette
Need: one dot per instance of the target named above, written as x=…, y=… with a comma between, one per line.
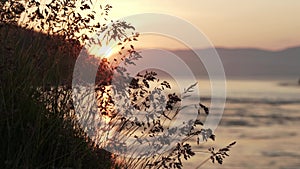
x=31, y=135
x=37, y=115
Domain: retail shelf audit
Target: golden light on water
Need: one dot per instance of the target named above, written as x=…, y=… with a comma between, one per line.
x=103, y=100
x=106, y=119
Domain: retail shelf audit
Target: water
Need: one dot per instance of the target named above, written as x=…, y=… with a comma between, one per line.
x=263, y=117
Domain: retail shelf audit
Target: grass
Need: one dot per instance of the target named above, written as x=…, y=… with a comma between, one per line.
x=38, y=126
x=33, y=136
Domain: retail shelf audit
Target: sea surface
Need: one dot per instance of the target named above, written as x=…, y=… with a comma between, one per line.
x=263, y=116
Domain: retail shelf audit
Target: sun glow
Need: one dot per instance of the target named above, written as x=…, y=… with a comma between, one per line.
x=102, y=51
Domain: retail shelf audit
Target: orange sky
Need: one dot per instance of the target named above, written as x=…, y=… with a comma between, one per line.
x=267, y=24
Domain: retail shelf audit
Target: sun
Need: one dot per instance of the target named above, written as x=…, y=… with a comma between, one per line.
x=102, y=51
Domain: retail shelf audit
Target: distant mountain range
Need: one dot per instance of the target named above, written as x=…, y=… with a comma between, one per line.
x=249, y=62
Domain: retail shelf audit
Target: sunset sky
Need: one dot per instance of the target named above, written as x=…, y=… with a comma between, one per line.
x=265, y=24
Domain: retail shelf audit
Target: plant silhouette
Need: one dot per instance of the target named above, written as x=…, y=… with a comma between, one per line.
x=140, y=111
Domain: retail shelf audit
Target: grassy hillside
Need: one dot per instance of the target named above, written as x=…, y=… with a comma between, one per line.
x=31, y=135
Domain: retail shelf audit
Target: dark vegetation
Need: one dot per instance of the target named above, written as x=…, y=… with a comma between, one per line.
x=33, y=136
x=37, y=120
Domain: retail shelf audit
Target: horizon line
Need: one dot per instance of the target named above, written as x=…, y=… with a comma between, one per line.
x=228, y=48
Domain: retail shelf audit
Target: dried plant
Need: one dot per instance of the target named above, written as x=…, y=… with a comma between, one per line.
x=64, y=23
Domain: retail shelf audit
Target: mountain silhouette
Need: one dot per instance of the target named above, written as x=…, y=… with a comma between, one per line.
x=249, y=63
